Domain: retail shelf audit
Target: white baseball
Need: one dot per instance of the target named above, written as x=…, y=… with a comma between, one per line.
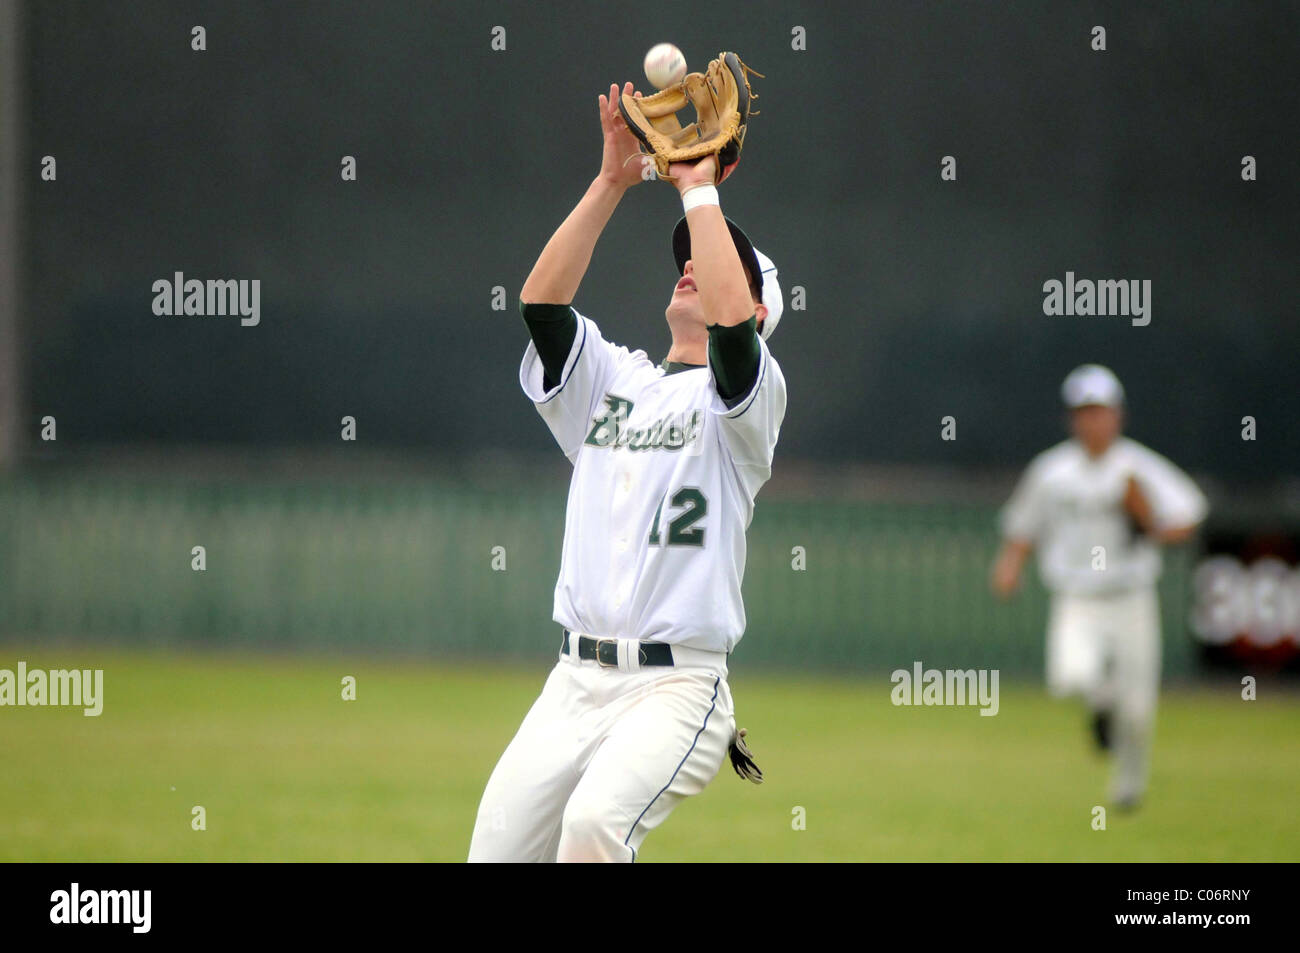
x=664, y=65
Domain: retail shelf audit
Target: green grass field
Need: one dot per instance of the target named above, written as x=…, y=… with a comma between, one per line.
x=286, y=770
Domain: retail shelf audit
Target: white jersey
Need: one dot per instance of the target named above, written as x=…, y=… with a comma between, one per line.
x=1068, y=504
x=664, y=480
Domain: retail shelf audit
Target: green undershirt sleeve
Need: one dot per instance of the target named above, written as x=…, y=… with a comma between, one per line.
x=553, y=328
x=735, y=354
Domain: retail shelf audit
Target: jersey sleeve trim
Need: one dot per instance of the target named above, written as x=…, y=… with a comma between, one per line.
x=547, y=396
x=734, y=355
x=552, y=328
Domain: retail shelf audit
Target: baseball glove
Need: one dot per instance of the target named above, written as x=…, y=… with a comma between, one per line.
x=1137, y=508
x=742, y=759
x=721, y=97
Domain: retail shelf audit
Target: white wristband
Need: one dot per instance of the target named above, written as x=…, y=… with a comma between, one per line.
x=699, y=195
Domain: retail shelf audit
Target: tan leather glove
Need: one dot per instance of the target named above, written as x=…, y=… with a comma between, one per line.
x=721, y=97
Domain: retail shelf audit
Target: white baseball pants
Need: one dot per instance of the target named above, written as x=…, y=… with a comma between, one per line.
x=1106, y=648
x=603, y=756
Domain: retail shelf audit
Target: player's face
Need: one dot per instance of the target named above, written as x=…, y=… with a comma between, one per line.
x=686, y=296
x=1095, y=426
x=685, y=302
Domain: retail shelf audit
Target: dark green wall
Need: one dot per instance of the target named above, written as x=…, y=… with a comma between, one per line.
x=924, y=297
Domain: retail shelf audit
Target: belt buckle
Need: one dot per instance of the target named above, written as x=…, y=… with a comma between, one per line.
x=601, y=662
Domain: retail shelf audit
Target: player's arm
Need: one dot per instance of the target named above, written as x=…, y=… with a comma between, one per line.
x=1022, y=519
x=1143, y=517
x=567, y=364
x=544, y=300
x=1164, y=504
x=719, y=275
x=564, y=261
x=735, y=354
x=1009, y=565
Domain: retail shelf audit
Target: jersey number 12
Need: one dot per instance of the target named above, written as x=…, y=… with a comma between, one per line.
x=682, y=530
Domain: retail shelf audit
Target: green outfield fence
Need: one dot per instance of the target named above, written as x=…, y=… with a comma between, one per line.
x=408, y=568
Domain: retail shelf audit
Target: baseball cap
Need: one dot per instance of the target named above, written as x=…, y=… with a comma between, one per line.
x=1092, y=384
x=755, y=262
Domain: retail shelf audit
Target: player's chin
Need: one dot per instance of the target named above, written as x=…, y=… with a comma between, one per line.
x=686, y=305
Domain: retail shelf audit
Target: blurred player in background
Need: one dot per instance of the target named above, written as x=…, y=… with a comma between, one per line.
x=1098, y=508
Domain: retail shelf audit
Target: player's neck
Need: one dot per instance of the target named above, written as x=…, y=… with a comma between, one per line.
x=1097, y=452
x=688, y=348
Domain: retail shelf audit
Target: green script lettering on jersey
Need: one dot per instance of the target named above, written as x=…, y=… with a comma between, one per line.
x=610, y=429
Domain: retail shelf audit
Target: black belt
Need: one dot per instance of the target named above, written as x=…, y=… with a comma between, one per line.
x=605, y=651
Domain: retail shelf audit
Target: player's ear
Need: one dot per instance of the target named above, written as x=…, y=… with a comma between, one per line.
x=760, y=312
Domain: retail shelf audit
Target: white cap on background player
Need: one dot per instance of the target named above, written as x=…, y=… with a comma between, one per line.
x=754, y=261
x=1092, y=384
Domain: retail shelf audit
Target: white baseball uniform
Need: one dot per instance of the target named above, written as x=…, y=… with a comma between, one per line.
x=1103, y=639
x=664, y=479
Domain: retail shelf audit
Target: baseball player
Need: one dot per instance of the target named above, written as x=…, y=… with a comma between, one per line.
x=667, y=459
x=1098, y=508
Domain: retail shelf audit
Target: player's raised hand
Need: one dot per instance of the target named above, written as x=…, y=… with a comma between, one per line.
x=687, y=175
x=621, y=162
